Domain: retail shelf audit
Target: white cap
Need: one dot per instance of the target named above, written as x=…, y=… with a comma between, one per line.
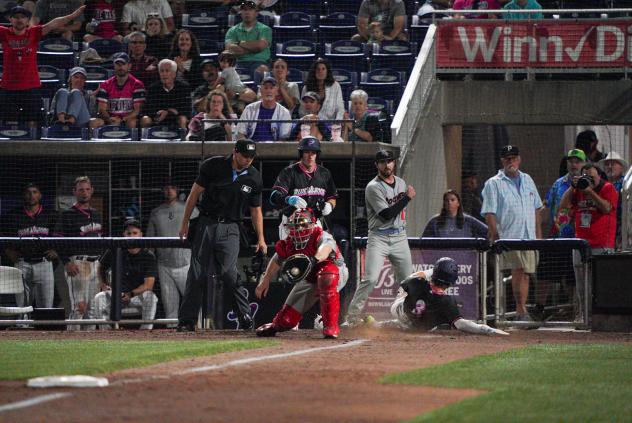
x=613, y=155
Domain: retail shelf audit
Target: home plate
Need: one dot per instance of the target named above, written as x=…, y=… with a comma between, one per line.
x=74, y=381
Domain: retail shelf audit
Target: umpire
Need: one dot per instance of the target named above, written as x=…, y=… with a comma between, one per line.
x=227, y=185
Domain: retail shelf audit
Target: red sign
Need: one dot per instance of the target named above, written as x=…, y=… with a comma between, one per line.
x=535, y=44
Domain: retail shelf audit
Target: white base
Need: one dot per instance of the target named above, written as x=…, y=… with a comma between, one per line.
x=75, y=381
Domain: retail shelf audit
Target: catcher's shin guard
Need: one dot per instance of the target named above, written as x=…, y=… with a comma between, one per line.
x=329, y=302
x=285, y=319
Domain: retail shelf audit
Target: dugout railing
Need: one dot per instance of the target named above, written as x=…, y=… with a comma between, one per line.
x=491, y=299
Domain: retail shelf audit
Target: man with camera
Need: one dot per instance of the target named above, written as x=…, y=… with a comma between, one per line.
x=593, y=202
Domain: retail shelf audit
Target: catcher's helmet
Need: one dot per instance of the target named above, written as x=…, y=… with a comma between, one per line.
x=308, y=143
x=445, y=271
x=300, y=226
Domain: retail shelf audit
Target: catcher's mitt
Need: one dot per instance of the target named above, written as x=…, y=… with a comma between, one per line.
x=297, y=267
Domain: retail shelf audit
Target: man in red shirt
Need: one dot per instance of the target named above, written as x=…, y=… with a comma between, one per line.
x=20, y=80
x=593, y=202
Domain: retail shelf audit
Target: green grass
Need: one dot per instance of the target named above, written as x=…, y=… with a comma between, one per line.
x=27, y=359
x=545, y=383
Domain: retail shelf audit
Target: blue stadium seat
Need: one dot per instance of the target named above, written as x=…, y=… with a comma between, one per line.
x=347, y=79
x=579, y=4
x=418, y=29
x=56, y=52
x=398, y=55
x=311, y=7
x=337, y=26
x=349, y=6
x=52, y=78
x=205, y=25
x=381, y=105
x=210, y=49
x=162, y=133
x=347, y=54
x=294, y=25
x=96, y=75
x=297, y=53
x=246, y=75
x=64, y=132
x=114, y=133
x=17, y=132
x=385, y=83
x=106, y=48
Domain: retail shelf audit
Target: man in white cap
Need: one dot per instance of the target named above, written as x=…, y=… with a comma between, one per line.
x=615, y=167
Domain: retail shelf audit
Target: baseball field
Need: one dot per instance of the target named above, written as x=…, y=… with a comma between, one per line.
x=367, y=375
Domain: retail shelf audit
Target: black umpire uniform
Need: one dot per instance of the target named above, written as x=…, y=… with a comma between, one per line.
x=215, y=234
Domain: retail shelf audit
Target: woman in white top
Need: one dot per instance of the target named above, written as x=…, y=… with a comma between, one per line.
x=321, y=81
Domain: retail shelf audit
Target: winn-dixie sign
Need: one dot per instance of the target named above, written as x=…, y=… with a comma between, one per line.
x=541, y=44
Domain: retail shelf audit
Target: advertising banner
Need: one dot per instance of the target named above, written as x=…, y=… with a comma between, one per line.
x=544, y=44
x=465, y=291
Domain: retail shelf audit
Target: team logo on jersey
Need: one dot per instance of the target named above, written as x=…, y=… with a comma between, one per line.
x=90, y=228
x=246, y=189
x=33, y=231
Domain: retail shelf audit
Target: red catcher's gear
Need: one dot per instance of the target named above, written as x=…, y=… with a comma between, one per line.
x=327, y=283
x=300, y=226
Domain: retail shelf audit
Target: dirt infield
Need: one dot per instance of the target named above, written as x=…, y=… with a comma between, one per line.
x=324, y=386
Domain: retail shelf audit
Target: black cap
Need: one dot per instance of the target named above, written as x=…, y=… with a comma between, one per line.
x=30, y=185
x=246, y=147
x=248, y=3
x=213, y=62
x=468, y=174
x=120, y=57
x=384, y=155
x=19, y=10
x=131, y=222
x=509, y=150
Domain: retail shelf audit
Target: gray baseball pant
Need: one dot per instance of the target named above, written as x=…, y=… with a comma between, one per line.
x=39, y=283
x=173, y=281
x=379, y=246
x=145, y=304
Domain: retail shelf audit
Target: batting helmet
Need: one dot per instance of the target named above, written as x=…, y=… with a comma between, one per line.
x=308, y=143
x=445, y=271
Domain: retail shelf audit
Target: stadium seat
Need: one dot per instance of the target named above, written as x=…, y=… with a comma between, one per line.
x=96, y=75
x=381, y=105
x=347, y=54
x=162, y=133
x=246, y=75
x=56, y=52
x=11, y=282
x=105, y=48
x=349, y=6
x=398, y=55
x=311, y=7
x=114, y=133
x=579, y=4
x=418, y=30
x=64, y=132
x=204, y=25
x=385, y=83
x=51, y=78
x=209, y=49
x=337, y=26
x=297, y=53
x=294, y=25
x=17, y=132
x=347, y=79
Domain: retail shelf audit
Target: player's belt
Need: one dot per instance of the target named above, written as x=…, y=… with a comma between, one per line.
x=33, y=260
x=218, y=219
x=85, y=258
x=390, y=231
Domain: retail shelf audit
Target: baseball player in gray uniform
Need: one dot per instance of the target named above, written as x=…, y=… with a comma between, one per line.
x=173, y=263
x=386, y=198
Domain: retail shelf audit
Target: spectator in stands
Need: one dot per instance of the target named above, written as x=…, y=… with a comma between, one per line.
x=476, y=5
x=451, y=222
x=365, y=126
x=523, y=5
x=143, y=66
x=511, y=206
x=210, y=74
x=121, y=97
x=230, y=82
x=593, y=202
x=426, y=10
x=186, y=53
x=217, y=107
x=20, y=77
x=288, y=95
x=321, y=81
x=157, y=38
x=266, y=108
x=587, y=142
x=139, y=276
x=615, y=168
x=47, y=10
x=470, y=195
x=102, y=23
x=376, y=34
x=75, y=105
x=390, y=13
x=310, y=125
x=168, y=100
x=250, y=40
x=137, y=11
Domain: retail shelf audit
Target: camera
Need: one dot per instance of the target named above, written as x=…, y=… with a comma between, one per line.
x=584, y=182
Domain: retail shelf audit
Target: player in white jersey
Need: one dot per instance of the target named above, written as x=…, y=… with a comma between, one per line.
x=173, y=263
x=386, y=198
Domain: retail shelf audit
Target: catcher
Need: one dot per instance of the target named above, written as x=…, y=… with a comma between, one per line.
x=422, y=302
x=310, y=259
